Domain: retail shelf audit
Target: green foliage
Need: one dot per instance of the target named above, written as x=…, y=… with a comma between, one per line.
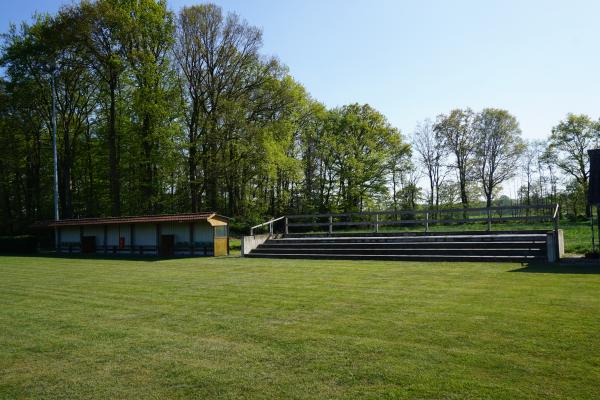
x=162, y=112
x=18, y=244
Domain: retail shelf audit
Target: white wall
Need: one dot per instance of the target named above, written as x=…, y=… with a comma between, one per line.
x=203, y=232
x=114, y=232
x=69, y=234
x=95, y=230
x=181, y=230
x=145, y=234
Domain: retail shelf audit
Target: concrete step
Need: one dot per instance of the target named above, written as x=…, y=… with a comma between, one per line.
x=463, y=246
x=428, y=257
x=277, y=244
x=408, y=251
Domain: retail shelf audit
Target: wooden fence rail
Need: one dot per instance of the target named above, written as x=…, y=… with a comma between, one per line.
x=425, y=218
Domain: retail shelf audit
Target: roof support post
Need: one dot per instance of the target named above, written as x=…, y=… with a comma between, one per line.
x=192, y=238
x=105, y=241
x=131, y=237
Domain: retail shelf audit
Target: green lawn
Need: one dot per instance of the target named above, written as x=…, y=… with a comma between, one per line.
x=296, y=329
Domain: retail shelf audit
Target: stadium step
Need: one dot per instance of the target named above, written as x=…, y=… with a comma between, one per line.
x=439, y=247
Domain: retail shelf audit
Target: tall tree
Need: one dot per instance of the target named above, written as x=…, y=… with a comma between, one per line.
x=147, y=37
x=498, y=148
x=103, y=44
x=431, y=155
x=570, y=140
x=221, y=68
x=457, y=132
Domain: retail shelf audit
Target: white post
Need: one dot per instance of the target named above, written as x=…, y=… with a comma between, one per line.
x=286, y=226
x=376, y=223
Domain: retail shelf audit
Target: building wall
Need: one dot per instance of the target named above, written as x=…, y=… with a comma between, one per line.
x=95, y=230
x=114, y=232
x=145, y=234
x=69, y=234
x=181, y=230
x=203, y=232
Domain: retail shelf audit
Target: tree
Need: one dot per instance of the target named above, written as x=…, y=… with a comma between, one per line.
x=570, y=140
x=457, y=132
x=222, y=73
x=362, y=147
x=530, y=162
x=147, y=39
x=402, y=171
x=103, y=47
x=431, y=155
x=498, y=148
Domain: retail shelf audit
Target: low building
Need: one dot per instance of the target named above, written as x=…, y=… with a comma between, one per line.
x=197, y=234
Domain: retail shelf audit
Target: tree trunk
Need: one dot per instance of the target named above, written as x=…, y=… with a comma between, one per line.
x=113, y=155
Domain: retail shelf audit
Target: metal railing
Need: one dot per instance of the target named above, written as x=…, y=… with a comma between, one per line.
x=414, y=218
x=270, y=223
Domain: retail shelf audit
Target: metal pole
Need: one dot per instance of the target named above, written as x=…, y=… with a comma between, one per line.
x=55, y=155
x=330, y=224
x=376, y=223
x=557, y=247
x=427, y=222
x=286, y=225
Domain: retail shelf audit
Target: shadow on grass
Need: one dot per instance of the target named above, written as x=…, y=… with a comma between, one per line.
x=566, y=267
x=76, y=256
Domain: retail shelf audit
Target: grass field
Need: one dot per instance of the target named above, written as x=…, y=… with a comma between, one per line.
x=235, y=328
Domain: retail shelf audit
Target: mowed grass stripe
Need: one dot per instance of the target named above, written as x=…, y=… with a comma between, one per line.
x=235, y=328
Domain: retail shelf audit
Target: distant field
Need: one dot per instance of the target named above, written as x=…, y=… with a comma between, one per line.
x=233, y=328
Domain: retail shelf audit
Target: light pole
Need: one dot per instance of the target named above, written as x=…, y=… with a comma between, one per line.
x=56, y=214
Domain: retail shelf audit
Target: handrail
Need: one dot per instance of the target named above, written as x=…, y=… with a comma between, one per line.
x=270, y=223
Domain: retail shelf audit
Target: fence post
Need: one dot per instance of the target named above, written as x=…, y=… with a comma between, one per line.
x=489, y=219
x=556, y=217
x=376, y=223
x=271, y=228
x=330, y=224
x=286, y=226
x=426, y=221
x=251, y=231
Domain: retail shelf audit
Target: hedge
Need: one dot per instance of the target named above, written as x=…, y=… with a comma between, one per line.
x=18, y=244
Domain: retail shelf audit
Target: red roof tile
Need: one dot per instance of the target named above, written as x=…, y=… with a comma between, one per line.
x=135, y=219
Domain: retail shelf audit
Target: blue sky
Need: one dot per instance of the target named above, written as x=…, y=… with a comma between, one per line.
x=416, y=59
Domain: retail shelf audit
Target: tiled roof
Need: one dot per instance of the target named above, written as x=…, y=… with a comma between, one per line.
x=203, y=216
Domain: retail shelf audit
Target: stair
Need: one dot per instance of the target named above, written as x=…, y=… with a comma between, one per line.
x=465, y=246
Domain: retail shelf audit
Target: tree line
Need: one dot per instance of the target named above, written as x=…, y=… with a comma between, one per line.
x=163, y=112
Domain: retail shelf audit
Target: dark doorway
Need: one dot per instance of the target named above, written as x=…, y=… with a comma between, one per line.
x=167, y=245
x=88, y=244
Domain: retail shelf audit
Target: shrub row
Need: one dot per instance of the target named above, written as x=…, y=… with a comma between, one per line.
x=18, y=244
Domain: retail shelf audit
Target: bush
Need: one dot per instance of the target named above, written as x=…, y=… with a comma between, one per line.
x=18, y=244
